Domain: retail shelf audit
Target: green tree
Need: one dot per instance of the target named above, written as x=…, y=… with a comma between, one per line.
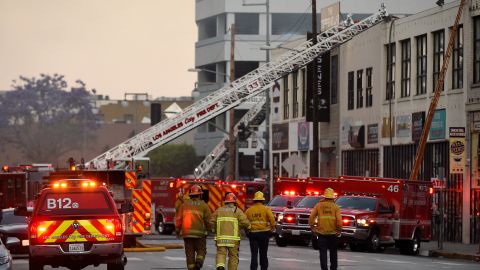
x=45, y=118
x=173, y=160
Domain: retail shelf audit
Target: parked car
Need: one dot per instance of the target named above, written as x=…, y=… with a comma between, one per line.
x=14, y=226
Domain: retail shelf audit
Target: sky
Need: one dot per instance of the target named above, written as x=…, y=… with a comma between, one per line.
x=114, y=46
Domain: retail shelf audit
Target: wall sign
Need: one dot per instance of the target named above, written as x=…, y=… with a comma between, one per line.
x=438, y=127
x=303, y=133
x=372, y=133
x=418, y=119
x=280, y=136
x=457, y=150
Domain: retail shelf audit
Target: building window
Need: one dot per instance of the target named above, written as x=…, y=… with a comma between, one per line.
x=285, y=97
x=476, y=64
x=295, y=95
x=351, y=93
x=457, y=66
x=369, y=98
x=421, y=65
x=359, y=88
x=406, y=68
x=247, y=23
x=438, y=49
x=334, y=79
x=207, y=28
x=304, y=91
x=390, y=90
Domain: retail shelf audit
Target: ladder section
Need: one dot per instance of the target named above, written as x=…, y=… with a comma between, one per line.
x=215, y=161
x=236, y=92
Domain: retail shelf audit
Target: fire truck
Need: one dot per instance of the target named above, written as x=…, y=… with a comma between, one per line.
x=125, y=188
x=381, y=212
x=166, y=192
x=19, y=184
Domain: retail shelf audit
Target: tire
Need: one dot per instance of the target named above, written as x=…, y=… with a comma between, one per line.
x=373, y=242
x=34, y=265
x=356, y=247
x=281, y=242
x=160, y=226
x=411, y=247
x=168, y=230
x=115, y=266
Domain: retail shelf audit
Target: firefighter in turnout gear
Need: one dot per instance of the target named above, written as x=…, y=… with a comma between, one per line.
x=328, y=227
x=263, y=224
x=226, y=223
x=192, y=223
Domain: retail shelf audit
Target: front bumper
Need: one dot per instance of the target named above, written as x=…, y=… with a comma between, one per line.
x=355, y=234
x=293, y=231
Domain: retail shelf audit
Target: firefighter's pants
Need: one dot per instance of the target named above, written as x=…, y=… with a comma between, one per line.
x=259, y=245
x=330, y=243
x=195, y=251
x=232, y=256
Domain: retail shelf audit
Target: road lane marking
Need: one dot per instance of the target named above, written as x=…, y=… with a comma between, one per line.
x=346, y=260
x=451, y=264
x=392, y=261
x=174, y=258
x=134, y=259
x=288, y=260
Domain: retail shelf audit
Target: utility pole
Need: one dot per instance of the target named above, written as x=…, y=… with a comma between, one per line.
x=434, y=102
x=231, y=136
x=314, y=74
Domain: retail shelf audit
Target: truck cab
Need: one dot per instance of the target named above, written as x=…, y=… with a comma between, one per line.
x=280, y=203
x=293, y=224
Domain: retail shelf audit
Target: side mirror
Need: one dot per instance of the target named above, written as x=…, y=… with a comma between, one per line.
x=126, y=208
x=12, y=242
x=289, y=204
x=22, y=211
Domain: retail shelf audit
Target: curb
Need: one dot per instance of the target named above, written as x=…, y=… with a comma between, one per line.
x=452, y=255
x=145, y=249
x=165, y=246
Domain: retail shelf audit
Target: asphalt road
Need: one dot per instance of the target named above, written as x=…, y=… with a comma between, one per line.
x=291, y=257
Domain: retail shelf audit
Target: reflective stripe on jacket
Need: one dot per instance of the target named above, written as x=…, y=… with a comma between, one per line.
x=192, y=219
x=261, y=218
x=329, y=218
x=226, y=223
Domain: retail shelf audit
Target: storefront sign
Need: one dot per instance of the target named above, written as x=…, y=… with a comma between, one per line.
x=386, y=127
x=418, y=119
x=303, y=132
x=403, y=126
x=280, y=136
x=372, y=133
x=457, y=150
x=437, y=129
x=323, y=89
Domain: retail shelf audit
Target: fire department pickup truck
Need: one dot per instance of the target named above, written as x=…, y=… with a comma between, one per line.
x=280, y=203
x=75, y=223
x=380, y=212
x=292, y=225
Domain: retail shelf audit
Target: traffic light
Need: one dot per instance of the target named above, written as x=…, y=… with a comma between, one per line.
x=243, y=132
x=259, y=160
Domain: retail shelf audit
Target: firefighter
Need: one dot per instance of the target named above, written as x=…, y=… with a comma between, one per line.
x=327, y=228
x=226, y=223
x=263, y=224
x=192, y=223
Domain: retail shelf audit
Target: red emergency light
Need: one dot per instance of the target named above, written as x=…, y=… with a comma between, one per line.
x=5, y=168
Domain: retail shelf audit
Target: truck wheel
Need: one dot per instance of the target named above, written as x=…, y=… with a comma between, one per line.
x=411, y=247
x=281, y=242
x=168, y=230
x=373, y=244
x=115, y=266
x=34, y=265
x=160, y=225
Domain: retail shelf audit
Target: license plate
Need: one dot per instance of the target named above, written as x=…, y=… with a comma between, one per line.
x=25, y=243
x=295, y=232
x=75, y=248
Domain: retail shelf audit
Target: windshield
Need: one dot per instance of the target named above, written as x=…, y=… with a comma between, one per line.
x=7, y=217
x=357, y=203
x=75, y=203
x=282, y=201
x=308, y=202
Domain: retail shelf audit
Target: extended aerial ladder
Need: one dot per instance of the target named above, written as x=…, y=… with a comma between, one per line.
x=236, y=92
x=214, y=162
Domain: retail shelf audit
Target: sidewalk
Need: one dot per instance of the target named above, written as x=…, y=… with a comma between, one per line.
x=450, y=250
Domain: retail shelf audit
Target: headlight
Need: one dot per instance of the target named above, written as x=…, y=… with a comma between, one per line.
x=280, y=218
x=362, y=222
x=4, y=260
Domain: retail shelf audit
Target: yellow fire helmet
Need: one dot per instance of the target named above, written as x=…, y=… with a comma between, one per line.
x=329, y=194
x=258, y=196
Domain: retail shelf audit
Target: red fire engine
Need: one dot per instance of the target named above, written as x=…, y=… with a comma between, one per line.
x=166, y=192
x=380, y=212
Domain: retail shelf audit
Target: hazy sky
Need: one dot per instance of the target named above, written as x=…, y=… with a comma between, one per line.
x=115, y=46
